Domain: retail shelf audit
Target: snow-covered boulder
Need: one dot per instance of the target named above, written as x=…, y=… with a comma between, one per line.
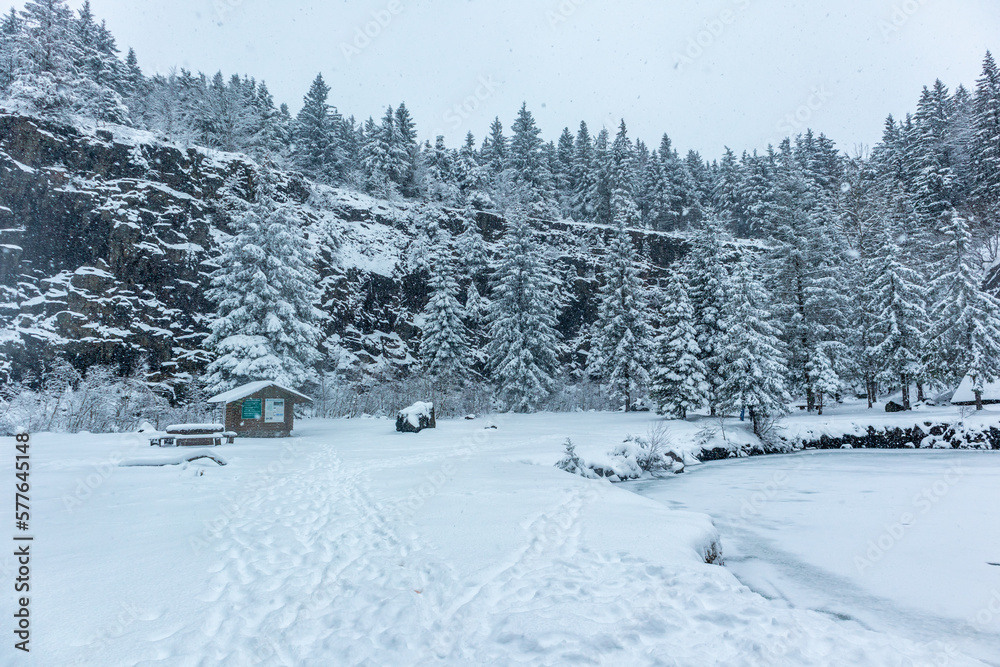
x=416, y=418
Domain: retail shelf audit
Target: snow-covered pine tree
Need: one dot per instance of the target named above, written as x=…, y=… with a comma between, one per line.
x=317, y=149
x=10, y=29
x=495, y=150
x=406, y=149
x=438, y=166
x=662, y=178
x=965, y=321
x=103, y=75
x=523, y=343
x=583, y=178
x=563, y=173
x=621, y=172
x=822, y=369
x=899, y=305
x=427, y=238
x=476, y=305
x=471, y=246
x=525, y=147
x=385, y=158
x=985, y=149
x=707, y=280
x=48, y=75
x=267, y=326
x=470, y=175
x=376, y=161
x=597, y=197
x=726, y=188
x=752, y=363
x=444, y=340
x=802, y=265
x=678, y=382
x=621, y=340
x=931, y=159
x=529, y=170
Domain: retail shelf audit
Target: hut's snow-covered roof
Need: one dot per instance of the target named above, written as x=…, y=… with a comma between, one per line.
x=236, y=393
x=964, y=393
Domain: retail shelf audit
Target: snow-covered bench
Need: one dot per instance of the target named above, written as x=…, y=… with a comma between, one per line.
x=193, y=435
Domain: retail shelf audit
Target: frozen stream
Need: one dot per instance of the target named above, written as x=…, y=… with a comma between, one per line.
x=906, y=542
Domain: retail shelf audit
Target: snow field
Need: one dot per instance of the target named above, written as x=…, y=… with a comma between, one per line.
x=353, y=544
x=898, y=541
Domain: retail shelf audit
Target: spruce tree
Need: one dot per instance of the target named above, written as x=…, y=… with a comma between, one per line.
x=931, y=160
x=50, y=51
x=985, y=151
x=584, y=179
x=10, y=35
x=470, y=175
x=564, y=174
x=405, y=149
x=495, y=150
x=678, y=380
x=523, y=342
x=621, y=175
x=444, y=344
x=597, y=197
x=965, y=320
x=621, y=340
x=317, y=150
x=267, y=326
x=707, y=278
x=900, y=315
x=752, y=363
x=438, y=164
x=384, y=157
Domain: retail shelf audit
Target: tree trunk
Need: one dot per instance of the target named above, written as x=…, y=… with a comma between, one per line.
x=920, y=392
x=979, y=400
x=870, y=390
x=819, y=404
x=905, y=383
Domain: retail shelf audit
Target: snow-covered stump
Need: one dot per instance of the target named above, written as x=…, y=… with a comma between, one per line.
x=416, y=418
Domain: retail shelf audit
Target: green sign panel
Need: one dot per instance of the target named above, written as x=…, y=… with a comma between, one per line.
x=251, y=408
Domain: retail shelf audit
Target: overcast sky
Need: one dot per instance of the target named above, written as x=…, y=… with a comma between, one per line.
x=740, y=73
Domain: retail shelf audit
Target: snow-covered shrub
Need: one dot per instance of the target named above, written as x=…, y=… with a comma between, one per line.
x=651, y=453
x=639, y=455
x=573, y=464
x=99, y=401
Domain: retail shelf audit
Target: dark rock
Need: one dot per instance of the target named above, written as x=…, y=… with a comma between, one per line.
x=893, y=406
x=416, y=418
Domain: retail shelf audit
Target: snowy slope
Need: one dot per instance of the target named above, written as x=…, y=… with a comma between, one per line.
x=353, y=544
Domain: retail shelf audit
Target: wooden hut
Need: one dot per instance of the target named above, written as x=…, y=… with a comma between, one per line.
x=261, y=409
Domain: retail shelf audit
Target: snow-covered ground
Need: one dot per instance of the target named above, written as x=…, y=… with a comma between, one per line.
x=906, y=542
x=353, y=544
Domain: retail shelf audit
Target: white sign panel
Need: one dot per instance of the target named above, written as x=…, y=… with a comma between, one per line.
x=274, y=410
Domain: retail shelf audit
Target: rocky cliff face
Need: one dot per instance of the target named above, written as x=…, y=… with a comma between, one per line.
x=107, y=238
